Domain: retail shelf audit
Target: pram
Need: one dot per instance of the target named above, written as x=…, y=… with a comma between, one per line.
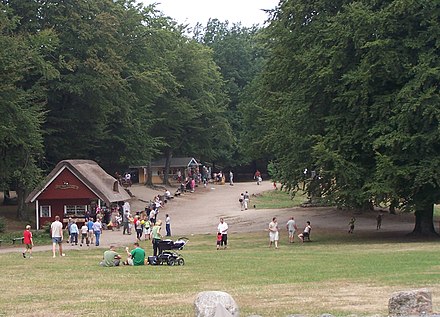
x=166, y=254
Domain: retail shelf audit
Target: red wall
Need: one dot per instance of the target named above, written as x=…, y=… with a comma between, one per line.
x=57, y=208
x=74, y=189
x=65, y=189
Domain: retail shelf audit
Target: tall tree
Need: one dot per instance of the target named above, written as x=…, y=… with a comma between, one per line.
x=190, y=112
x=239, y=56
x=22, y=99
x=340, y=81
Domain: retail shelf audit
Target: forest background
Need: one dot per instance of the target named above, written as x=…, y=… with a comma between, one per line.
x=341, y=97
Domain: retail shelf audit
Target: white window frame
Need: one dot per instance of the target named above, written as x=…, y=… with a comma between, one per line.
x=49, y=209
x=76, y=207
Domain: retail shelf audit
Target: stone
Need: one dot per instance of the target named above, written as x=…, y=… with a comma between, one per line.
x=410, y=303
x=206, y=304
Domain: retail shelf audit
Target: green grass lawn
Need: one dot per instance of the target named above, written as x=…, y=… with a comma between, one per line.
x=334, y=273
x=278, y=199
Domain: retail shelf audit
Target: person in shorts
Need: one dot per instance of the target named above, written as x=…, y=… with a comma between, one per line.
x=291, y=229
x=28, y=241
x=56, y=232
x=136, y=256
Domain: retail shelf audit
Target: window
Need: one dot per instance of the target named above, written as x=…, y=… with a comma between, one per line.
x=75, y=210
x=45, y=212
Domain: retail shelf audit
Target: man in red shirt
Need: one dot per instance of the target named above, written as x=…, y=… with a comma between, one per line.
x=28, y=241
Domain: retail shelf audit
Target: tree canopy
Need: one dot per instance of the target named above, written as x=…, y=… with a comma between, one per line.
x=352, y=93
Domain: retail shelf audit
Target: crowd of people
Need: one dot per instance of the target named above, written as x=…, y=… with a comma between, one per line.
x=147, y=226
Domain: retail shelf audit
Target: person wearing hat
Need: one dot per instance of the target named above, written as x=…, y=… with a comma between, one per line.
x=156, y=236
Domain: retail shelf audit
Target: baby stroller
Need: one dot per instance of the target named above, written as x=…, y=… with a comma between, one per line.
x=166, y=253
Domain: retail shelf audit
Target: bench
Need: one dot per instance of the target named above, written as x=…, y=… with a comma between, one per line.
x=17, y=239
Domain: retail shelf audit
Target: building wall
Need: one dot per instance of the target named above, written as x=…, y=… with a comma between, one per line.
x=57, y=207
x=66, y=185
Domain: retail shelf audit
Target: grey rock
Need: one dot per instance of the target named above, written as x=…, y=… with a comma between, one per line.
x=410, y=303
x=206, y=304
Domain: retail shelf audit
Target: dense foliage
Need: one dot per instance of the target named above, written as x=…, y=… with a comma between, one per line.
x=111, y=81
x=351, y=92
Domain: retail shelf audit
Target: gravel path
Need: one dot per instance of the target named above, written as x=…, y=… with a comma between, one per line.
x=199, y=213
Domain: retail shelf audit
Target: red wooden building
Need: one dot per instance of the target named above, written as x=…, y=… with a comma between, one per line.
x=73, y=188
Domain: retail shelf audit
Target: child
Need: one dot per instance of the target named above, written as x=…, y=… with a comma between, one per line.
x=84, y=234
x=219, y=239
x=28, y=241
x=147, y=231
x=351, y=225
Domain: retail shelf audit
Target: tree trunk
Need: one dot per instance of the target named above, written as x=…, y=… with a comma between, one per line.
x=424, y=220
x=22, y=208
x=166, y=172
x=149, y=180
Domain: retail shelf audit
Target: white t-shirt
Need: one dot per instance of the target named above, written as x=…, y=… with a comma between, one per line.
x=56, y=228
x=222, y=228
x=84, y=229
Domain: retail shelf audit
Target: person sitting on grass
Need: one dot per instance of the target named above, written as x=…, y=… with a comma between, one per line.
x=136, y=256
x=111, y=258
x=306, y=233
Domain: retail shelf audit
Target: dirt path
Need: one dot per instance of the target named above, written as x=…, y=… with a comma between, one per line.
x=199, y=213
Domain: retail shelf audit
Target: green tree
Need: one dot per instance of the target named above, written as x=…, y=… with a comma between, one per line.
x=239, y=56
x=339, y=85
x=190, y=113
x=22, y=99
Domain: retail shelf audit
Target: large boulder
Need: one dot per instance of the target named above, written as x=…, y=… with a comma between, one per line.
x=410, y=303
x=206, y=304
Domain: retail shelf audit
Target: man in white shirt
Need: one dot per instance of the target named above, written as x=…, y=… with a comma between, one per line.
x=56, y=232
x=223, y=229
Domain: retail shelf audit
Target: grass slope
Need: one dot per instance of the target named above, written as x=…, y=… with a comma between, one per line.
x=336, y=274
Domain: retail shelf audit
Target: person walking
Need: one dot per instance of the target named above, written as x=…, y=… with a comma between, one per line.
x=56, y=232
x=90, y=233
x=84, y=234
x=223, y=229
x=273, y=233
x=97, y=230
x=246, y=200
x=28, y=241
x=291, y=229
x=168, y=225
x=126, y=221
x=231, y=178
x=351, y=225
x=74, y=231
x=379, y=221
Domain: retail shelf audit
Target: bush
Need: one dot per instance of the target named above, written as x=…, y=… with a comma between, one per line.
x=2, y=224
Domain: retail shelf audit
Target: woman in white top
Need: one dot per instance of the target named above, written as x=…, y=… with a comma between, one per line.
x=273, y=232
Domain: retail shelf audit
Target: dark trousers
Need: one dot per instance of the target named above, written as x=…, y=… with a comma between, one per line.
x=84, y=237
x=168, y=229
x=126, y=228
x=74, y=238
x=224, y=239
x=156, y=246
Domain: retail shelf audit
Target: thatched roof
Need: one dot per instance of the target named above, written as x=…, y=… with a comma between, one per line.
x=89, y=173
x=176, y=162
